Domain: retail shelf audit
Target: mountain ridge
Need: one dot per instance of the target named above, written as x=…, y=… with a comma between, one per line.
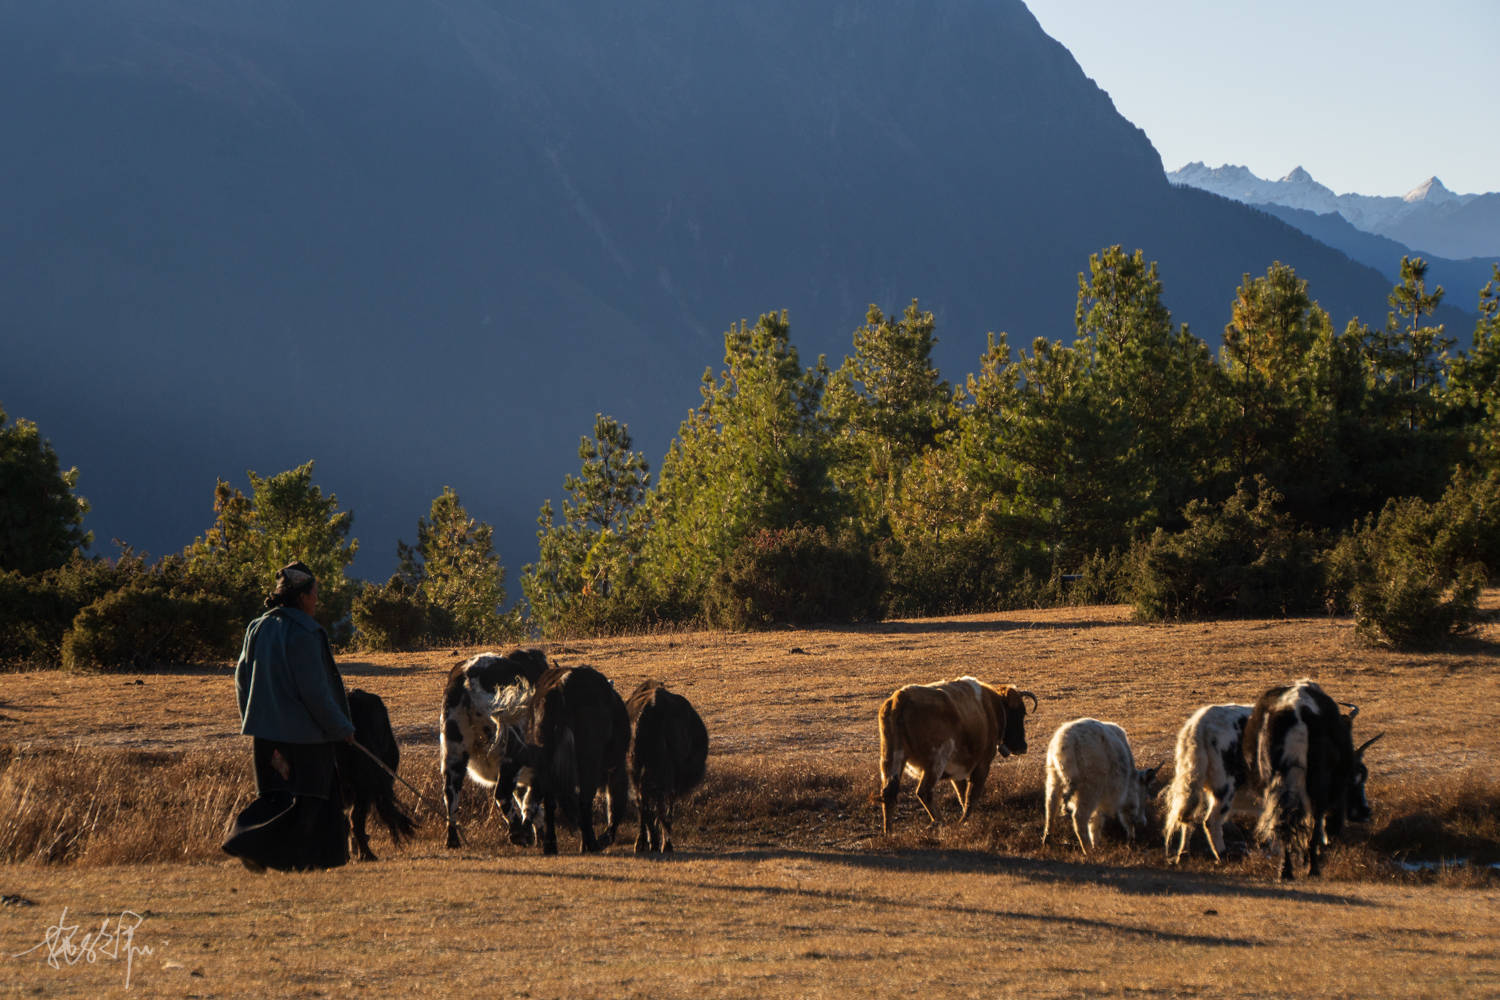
x=1428, y=218
x=425, y=243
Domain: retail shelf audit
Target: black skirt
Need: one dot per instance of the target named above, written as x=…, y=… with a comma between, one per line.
x=297, y=823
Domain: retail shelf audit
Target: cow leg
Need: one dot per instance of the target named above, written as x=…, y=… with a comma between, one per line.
x=549, y=823
x=1093, y=820
x=616, y=795
x=455, y=763
x=1125, y=824
x=890, y=787
x=925, y=789
x=664, y=818
x=1219, y=802
x=587, y=842
x=1052, y=804
x=643, y=839
x=973, y=788
x=357, y=825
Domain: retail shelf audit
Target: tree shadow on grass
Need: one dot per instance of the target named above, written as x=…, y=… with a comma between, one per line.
x=1083, y=621
x=1136, y=881
x=917, y=907
x=362, y=668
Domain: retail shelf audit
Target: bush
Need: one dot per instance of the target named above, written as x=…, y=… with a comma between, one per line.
x=1099, y=579
x=1241, y=558
x=796, y=575
x=972, y=572
x=392, y=617
x=34, y=614
x=1409, y=576
x=144, y=626
x=37, y=610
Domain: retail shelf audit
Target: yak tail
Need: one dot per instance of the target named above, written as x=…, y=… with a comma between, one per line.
x=1189, y=768
x=564, y=776
x=1284, y=817
x=891, y=757
x=396, y=819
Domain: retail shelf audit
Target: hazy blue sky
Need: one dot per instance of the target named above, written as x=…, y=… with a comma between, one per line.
x=1371, y=97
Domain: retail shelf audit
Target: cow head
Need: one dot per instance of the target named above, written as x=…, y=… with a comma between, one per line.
x=513, y=791
x=1139, y=795
x=1357, y=806
x=1013, y=707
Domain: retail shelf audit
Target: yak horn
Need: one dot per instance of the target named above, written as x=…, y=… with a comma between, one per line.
x=1364, y=746
x=1028, y=694
x=1353, y=709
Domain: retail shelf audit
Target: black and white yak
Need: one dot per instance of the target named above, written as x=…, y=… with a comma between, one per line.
x=362, y=782
x=1209, y=770
x=668, y=755
x=471, y=738
x=573, y=735
x=1299, y=752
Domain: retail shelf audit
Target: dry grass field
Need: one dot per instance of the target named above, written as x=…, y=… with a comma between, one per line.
x=115, y=790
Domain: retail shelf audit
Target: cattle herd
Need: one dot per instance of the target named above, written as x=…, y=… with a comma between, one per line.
x=548, y=739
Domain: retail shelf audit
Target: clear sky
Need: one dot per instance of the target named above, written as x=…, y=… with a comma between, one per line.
x=1370, y=97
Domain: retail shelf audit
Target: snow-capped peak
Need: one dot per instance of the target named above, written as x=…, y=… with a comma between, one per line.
x=1431, y=190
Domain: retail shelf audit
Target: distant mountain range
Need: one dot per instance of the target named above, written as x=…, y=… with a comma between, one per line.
x=1458, y=234
x=425, y=242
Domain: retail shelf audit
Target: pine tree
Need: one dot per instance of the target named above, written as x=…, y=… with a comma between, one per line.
x=41, y=517
x=1473, y=389
x=587, y=562
x=1409, y=355
x=286, y=518
x=888, y=405
x=754, y=454
x=1273, y=327
x=458, y=574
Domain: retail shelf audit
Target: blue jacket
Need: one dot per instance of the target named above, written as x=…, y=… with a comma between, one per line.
x=288, y=688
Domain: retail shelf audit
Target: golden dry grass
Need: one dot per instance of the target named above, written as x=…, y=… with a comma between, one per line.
x=784, y=886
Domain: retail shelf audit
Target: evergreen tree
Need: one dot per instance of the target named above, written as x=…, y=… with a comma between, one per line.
x=285, y=518
x=1158, y=385
x=1273, y=327
x=1116, y=432
x=1409, y=355
x=888, y=404
x=966, y=480
x=459, y=576
x=585, y=572
x=754, y=454
x=1473, y=389
x=41, y=517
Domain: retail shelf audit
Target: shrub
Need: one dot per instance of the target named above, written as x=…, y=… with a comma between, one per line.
x=34, y=614
x=796, y=575
x=1099, y=579
x=36, y=610
x=969, y=572
x=1238, y=558
x=392, y=617
x=1412, y=576
x=144, y=626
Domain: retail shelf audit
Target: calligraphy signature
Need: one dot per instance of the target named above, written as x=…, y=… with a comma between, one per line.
x=64, y=945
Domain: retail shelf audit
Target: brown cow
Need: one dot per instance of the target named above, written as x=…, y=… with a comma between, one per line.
x=950, y=729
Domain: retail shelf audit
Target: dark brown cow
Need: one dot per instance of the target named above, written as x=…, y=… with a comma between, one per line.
x=668, y=754
x=951, y=729
x=363, y=783
x=575, y=733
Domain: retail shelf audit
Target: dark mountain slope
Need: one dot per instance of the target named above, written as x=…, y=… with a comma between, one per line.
x=425, y=242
